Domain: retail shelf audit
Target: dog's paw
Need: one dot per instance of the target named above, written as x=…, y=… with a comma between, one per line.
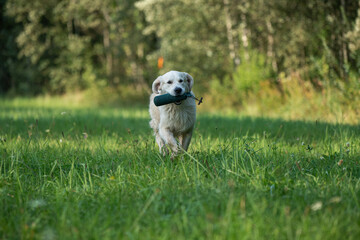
x=164, y=151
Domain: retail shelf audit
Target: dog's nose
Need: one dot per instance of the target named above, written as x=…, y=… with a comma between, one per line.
x=178, y=90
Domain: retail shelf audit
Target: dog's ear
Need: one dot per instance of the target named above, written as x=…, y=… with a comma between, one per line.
x=189, y=80
x=156, y=85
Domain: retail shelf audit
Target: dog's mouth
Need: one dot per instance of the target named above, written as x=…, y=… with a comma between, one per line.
x=178, y=102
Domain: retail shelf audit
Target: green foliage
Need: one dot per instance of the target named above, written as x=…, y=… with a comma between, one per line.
x=12, y=69
x=75, y=45
x=191, y=33
x=236, y=87
x=95, y=173
x=248, y=75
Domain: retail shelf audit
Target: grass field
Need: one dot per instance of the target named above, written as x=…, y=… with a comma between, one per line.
x=72, y=172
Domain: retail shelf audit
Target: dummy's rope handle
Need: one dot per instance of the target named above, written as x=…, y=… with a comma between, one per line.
x=190, y=95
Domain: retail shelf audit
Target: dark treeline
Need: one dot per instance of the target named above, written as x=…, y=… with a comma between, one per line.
x=57, y=46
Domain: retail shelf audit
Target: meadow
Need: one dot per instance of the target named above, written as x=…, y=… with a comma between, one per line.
x=69, y=171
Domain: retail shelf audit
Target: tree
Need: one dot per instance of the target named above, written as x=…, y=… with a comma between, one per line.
x=76, y=43
x=191, y=35
x=354, y=41
x=67, y=45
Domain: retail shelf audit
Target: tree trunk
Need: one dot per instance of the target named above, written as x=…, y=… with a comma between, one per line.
x=344, y=44
x=244, y=37
x=230, y=35
x=270, y=48
x=244, y=31
x=107, y=47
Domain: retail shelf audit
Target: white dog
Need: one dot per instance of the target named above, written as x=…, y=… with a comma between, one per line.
x=172, y=120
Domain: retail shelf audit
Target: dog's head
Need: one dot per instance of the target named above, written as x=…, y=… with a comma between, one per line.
x=175, y=83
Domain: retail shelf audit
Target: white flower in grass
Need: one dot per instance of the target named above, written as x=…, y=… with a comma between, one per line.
x=336, y=199
x=48, y=234
x=36, y=203
x=316, y=206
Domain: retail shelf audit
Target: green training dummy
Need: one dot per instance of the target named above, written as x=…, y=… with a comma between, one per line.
x=167, y=98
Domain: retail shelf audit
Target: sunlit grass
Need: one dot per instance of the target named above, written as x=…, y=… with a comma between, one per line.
x=73, y=172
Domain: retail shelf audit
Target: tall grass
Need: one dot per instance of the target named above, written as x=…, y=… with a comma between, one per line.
x=73, y=172
x=311, y=93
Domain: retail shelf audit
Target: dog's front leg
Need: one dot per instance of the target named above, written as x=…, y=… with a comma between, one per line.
x=162, y=148
x=185, y=140
x=170, y=140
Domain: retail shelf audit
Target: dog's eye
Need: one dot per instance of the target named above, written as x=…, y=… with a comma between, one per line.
x=169, y=82
x=181, y=80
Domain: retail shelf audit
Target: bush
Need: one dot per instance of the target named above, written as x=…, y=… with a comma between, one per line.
x=236, y=87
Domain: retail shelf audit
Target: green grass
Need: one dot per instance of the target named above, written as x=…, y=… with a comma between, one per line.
x=95, y=173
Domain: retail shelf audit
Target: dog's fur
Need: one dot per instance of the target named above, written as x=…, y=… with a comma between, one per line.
x=173, y=121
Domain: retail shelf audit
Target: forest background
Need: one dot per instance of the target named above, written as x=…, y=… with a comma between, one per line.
x=282, y=58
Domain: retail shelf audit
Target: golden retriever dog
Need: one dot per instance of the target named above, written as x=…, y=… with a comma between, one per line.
x=174, y=120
